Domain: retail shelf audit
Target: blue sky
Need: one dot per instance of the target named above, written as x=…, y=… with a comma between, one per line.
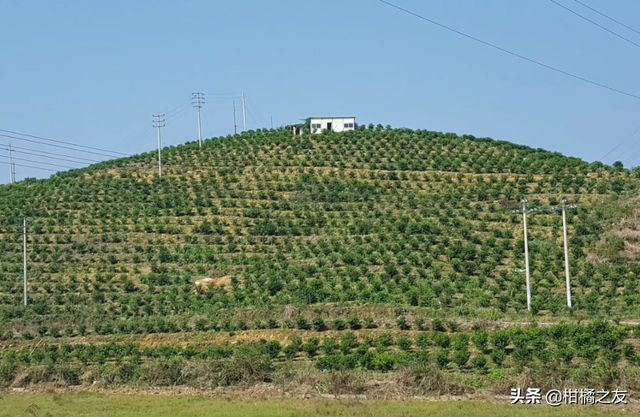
x=94, y=72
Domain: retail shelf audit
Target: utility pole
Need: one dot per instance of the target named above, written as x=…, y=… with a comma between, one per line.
x=526, y=251
x=12, y=174
x=235, y=126
x=244, y=114
x=566, y=249
x=566, y=244
x=158, y=123
x=198, y=102
x=271, y=122
x=24, y=232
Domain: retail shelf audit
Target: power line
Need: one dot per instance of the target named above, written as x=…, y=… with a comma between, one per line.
x=30, y=166
x=618, y=145
x=533, y=61
x=626, y=151
x=13, y=149
x=47, y=154
x=179, y=104
x=60, y=141
x=40, y=162
x=264, y=122
x=57, y=146
x=178, y=113
x=607, y=17
x=594, y=23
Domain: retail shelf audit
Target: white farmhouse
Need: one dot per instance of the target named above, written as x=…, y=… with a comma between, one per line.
x=336, y=124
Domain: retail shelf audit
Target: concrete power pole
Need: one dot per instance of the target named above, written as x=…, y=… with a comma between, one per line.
x=526, y=251
x=566, y=249
x=12, y=173
x=235, y=126
x=244, y=114
x=24, y=232
x=158, y=123
x=198, y=102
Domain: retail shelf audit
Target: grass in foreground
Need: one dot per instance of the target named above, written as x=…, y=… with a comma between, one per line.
x=96, y=404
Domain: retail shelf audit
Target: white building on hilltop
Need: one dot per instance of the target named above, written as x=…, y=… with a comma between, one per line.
x=336, y=124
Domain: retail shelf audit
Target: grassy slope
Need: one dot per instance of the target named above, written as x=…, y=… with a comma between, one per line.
x=378, y=217
x=86, y=404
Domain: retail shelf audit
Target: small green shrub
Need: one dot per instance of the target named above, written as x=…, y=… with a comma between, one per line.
x=339, y=324
x=441, y=339
x=319, y=324
x=404, y=343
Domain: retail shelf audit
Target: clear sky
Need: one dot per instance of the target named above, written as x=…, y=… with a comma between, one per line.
x=94, y=72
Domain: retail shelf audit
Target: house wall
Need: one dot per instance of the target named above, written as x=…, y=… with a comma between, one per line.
x=337, y=123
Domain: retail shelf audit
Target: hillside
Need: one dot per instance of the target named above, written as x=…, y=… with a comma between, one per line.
x=374, y=250
x=399, y=217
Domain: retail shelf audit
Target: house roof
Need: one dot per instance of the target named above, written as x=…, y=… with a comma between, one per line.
x=336, y=117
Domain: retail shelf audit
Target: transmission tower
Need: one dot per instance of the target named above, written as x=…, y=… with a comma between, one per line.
x=159, y=123
x=198, y=102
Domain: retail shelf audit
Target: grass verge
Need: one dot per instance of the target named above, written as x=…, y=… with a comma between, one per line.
x=97, y=404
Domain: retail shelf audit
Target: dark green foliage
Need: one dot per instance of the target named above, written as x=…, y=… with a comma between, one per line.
x=311, y=347
x=438, y=326
x=385, y=339
x=499, y=339
x=339, y=324
x=404, y=343
x=329, y=346
x=302, y=323
x=402, y=323
x=479, y=362
x=461, y=357
x=480, y=339
x=498, y=356
x=319, y=324
x=348, y=341
x=461, y=341
x=354, y=323
x=442, y=358
x=422, y=340
x=441, y=339
x=272, y=348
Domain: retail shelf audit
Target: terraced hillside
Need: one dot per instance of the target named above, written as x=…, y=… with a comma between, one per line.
x=371, y=219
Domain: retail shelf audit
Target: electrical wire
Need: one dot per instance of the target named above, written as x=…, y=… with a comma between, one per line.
x=185, y=109
x=180, y=103
x=626, y=151
x=39, y=162
x=251, y=115
x=58, y=146
x=264, y=122
x=29, y=166
x=60, y=141
x=607, y=17
x=42, y=156
x=594, y=23
x=135, y=143
x=48, y=154
x=620, y=144
x=522, y=57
